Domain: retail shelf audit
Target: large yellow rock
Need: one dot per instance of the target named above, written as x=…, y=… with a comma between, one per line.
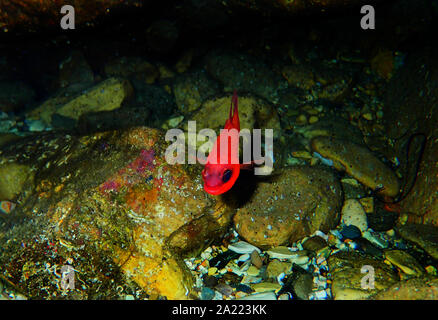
x=253, y=113
x=359, y=162
x=13, y=179
x=105, y=96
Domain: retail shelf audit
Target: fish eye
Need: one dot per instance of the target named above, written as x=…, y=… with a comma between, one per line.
x=227, y=175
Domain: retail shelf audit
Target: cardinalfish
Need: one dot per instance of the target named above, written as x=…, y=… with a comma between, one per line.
x=222, y=167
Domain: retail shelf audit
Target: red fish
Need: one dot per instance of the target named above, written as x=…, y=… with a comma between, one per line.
x=220, y=177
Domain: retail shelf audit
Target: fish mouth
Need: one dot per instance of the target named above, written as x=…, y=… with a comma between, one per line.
x=214, y=190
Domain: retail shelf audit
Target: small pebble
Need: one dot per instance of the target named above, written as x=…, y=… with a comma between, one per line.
x=261, y=296
x=256, y=260
x=284, y=296
x=244, y=257
x=351, y=232
x=253, y=271
x=207, y=293
x=244, y=288
x=210, y=281
x=212, y=271
x=313, y=119
x=224, y=289
x=243, y=247
x=354, y=214
x=266, y=286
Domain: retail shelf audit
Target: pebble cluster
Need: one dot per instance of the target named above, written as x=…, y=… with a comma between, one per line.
x=242, y=271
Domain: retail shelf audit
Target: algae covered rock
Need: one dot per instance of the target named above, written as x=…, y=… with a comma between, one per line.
x=14, y=178
x=360, y=163
x=296, y=203
x=105, y=96
x=110, y=206
x=253, y=113
x=412, y=289
x=192, y=89
x=425, y=236
x=245, y=73
x=351, y=278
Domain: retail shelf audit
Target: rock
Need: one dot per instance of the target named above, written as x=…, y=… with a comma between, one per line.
x=411, y=289
x=276, y=267
x=192, y=89
x=425, y=236
x=381, y=219
x=207, y=293
x=314, y=244
x=408, y=113
x=345, y=268
x=266, y=286
x=301, y=120
x=74, y=71
x=209, y=281
x=383, y=64
x=132, y=68
x=354, y=214
x=313, y=119
x=253, y=271
x=299, y=76
x=107, y=95
x=405, y=262
x=351, y=232
x=160, y=105
x=256, y=260
x=6, y=138
x=360, y=163
x=261, y=296
x=15, y=96
x=224, y=289
x=253, y=113
x=365, y=246
x=244, y=73
x=298, y=202
x=367, y=204
x=14, y=179
x=222, y=259
x=353, y=189
x=242, y=247
x=31, y=18
x=299, y=284
x=303, y=285
x=110, y=204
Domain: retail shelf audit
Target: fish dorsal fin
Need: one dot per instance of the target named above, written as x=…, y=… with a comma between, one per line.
x=233, y=121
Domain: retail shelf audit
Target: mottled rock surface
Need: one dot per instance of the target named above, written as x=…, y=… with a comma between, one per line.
x=425, y=236
x=360, y=163
x=346, y=267
x=412, y=289
x=294, y=204
x=109, y=205
x=105, y=96
x=411, y=108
